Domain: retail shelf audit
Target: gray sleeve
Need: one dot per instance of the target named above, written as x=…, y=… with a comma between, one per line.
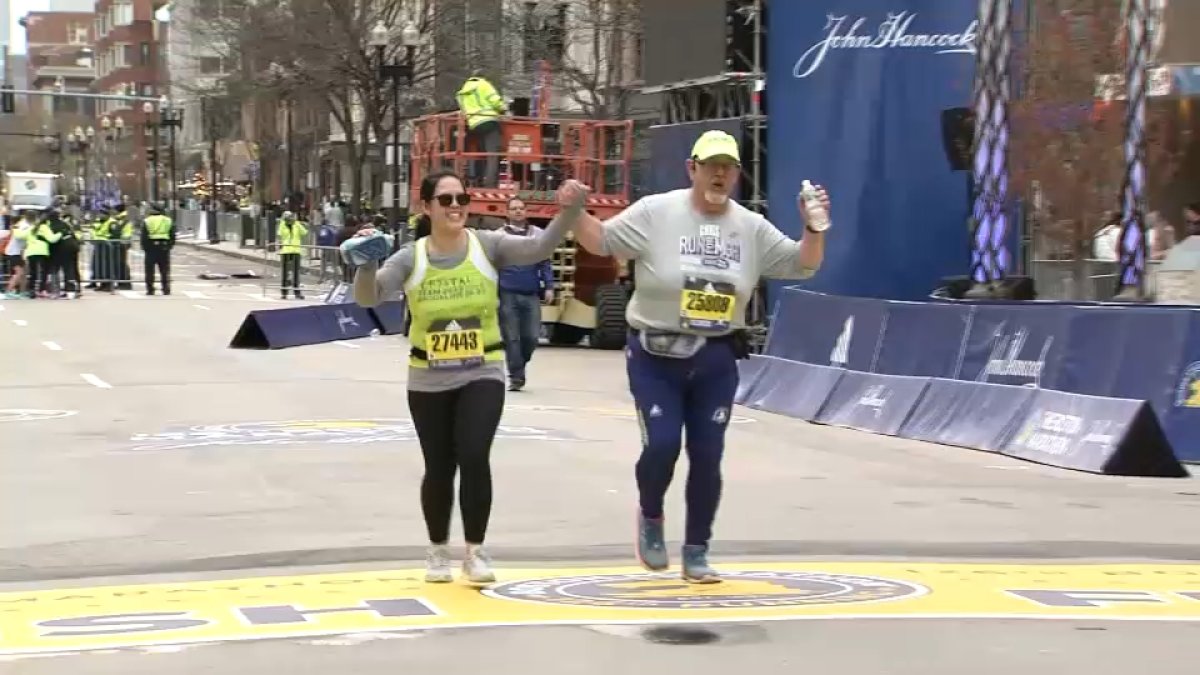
x=506, y=249
x=778, y=255
x=627, y=234
x=374, y=284
x=395, y=271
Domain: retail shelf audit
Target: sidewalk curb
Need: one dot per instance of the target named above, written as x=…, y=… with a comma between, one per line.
x=252, y=257
x=305, y=270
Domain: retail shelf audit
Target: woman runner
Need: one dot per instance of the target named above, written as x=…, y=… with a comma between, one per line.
x=456, y=374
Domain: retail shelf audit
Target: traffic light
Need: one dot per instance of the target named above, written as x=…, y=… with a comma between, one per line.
x=8, y=100
x=152, y=154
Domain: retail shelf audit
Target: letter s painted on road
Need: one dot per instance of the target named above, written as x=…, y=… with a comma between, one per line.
x=116, y=624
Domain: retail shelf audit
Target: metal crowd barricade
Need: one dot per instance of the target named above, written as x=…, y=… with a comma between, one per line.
x=110, y=264
x=319, y=268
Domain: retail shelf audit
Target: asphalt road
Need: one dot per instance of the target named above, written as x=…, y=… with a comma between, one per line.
x=174, y=459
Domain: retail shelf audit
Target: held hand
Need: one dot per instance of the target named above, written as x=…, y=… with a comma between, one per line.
x=548, y=297
x=366, y=232
x=572, y=194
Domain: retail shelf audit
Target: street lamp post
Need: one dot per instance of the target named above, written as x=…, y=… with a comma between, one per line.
x=113, y=130
x=152, y=148
x=398, y=73
x=171, y=117
x=80, y=141
x=281, y=74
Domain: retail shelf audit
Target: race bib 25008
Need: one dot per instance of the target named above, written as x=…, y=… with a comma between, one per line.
x=707, y=305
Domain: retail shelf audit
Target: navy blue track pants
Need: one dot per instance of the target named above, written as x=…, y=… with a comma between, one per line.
x=673, y=395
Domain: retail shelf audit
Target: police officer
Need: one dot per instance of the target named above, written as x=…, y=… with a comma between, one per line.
x=698, y=258
x=102, y=267
x=64, y=253
x=158, y=238
x=120, y=232
x=290, y=234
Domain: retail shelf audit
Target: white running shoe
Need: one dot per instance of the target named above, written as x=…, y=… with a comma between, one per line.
x=477, y=567
x=437, y=565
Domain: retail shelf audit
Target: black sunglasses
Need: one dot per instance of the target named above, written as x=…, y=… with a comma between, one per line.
x=461, y=198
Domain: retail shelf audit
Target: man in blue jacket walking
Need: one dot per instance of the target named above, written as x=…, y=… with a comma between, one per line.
x=522, y=290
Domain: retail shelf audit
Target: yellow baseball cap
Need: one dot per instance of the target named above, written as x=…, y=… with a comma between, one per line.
x=715, y=144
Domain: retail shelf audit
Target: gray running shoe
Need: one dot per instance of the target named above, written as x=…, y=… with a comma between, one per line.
x=477, y=567
x=651, y=544
x=437, y=565
x=696, y=569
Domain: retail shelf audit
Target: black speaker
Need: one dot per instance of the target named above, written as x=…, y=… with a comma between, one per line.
x=954, y=287
x=958, y=135
x=1015, y=288
x=520, y=106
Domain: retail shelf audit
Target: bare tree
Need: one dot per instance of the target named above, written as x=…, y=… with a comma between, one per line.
x=591, y=47
x=321, y=52
x=1068, y=144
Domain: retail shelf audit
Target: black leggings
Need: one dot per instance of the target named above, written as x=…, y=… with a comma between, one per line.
x=456, y=429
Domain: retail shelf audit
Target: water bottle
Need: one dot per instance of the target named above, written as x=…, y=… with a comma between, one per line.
x=818, y=217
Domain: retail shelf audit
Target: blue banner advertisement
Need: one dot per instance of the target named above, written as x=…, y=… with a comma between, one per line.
x=1143, y=353
x=857, y=91
x=826, y=330
x=1013, y=344
x=876, y=403
x=910, y=326
x=967, y=414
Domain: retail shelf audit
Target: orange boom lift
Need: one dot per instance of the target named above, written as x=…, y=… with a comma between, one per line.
x=537, y=154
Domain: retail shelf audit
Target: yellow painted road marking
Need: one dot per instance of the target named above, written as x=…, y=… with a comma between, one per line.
x=76, y=619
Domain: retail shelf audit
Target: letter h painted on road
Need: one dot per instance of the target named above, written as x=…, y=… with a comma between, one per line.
x=277, y=614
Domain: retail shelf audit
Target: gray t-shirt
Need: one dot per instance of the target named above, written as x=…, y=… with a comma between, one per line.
x=501, y=248
x=673, y=244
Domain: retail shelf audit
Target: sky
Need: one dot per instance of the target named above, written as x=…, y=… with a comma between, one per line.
x=18, y=34
x=15, y=32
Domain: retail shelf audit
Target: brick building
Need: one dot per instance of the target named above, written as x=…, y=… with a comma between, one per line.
x=128, y=61
x=59, y=56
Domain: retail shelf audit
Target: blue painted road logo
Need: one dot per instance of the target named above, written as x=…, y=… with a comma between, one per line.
x=316, y=432
x=744, y=589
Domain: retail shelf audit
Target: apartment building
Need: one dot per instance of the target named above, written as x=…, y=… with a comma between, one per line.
x=127, y=61
x=59, y=57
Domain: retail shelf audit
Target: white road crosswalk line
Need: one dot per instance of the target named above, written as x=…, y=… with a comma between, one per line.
x=202, y=307
x=132, y=295
x=196, y=295
x=52, y=346
x=346, y=344
x=95, y=381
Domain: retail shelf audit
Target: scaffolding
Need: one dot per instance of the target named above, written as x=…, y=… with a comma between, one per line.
x=732, y=95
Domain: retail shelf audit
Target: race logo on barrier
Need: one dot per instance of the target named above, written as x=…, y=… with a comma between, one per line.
x=1187, y=393
x=313, y=432
x=747, y=589
x=27, y=415
x=1005, y=364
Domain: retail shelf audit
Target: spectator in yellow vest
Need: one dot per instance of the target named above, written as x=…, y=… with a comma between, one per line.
x=290, y=234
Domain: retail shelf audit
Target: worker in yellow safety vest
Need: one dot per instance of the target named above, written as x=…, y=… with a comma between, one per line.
x=158, y=238
x=482, y=106
x=290, y=235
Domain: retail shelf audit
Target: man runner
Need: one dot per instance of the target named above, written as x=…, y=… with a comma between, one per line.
x=698, y=257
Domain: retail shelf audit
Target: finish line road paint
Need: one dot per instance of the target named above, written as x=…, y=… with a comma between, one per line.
x=81, y=619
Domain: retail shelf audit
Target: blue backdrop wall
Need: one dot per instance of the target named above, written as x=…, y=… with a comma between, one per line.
x=855, y=93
